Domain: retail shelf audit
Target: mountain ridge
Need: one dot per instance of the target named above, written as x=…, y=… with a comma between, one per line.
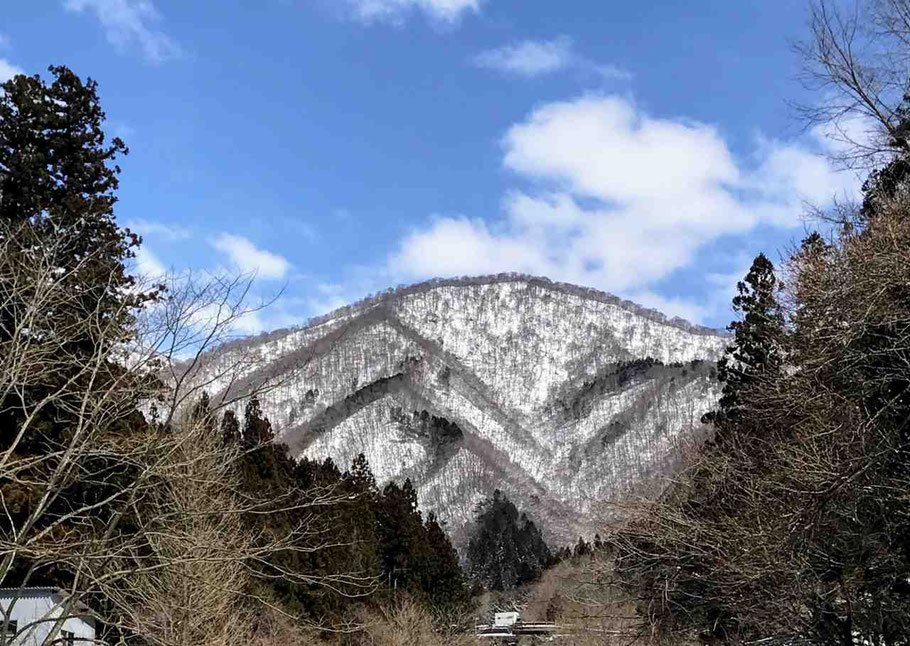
x=391, y=292
x=562, y=396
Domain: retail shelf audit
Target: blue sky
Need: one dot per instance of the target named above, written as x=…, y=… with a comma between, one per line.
x=338, y=147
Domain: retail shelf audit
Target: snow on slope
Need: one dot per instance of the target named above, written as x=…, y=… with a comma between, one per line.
x=535, y=374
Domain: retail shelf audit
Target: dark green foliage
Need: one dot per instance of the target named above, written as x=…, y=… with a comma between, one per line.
x=507, y=550
x=57, y=185
x=413, y=556
x=202, y=414
x=618, y=376
x=257, y=430
x=58, y=179
x=443, y=436
x=377, y=537
x=891, y=180
x=230, y=428
x=399, y=528
x=313, y=473
x=423, y=424
x=613, y=379
x=582, y=547
x=53, y=152
x=358, y=400
x=756, y=351
x=442, y=578
x=360, y=478
x=795, y=526
x=267, y=479
x=885, y=183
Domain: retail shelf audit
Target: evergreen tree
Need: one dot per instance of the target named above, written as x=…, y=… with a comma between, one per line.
x=230, y=428
x=313, y=473
x=442, y=578
x=57, y=188
x=257, y=430
x=399, y=528
x=507, y=549
x=266, y=467
x=891, y=180
x=359, y=517
x=58, y=180
x=202, y=414
x=756, y=351
x=795, y=526
x=361, y=477
x=582, y=548
x=58, y=175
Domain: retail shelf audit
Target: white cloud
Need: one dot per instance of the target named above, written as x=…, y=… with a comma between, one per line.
x=619, y=200
x=529, y=58
x=148, y=264
x=213, y=314
x=159, y=229
x=330, y=296
x=672, y=307
x=8, y=70
x=285, y=312
x=395, y=10
x=248, y=258
x=127, y=23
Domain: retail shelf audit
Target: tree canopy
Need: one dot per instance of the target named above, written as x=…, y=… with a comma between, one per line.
x=507, y=549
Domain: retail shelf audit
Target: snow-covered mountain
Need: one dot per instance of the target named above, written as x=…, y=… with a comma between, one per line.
x=563, y=397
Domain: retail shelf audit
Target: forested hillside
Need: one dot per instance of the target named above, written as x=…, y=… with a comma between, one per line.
x=563, y=397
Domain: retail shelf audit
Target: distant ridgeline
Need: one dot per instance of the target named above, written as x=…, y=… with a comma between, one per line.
x=492, y=279
x=564, y=398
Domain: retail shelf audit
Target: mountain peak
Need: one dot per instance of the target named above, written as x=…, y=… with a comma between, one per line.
x=503, y=278
x=559, y=395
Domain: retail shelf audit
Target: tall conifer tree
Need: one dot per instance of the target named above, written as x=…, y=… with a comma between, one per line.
x=756, y=351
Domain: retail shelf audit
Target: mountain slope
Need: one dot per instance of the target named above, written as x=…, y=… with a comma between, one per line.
x=563, y=397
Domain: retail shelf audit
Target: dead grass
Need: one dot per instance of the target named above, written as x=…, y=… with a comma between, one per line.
x=580, y=596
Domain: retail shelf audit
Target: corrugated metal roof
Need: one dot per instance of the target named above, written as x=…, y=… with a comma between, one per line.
x=30, y=590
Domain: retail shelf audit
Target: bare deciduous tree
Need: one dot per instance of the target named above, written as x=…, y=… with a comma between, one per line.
x=793, y=527
x=857, y=59
x=139, y=521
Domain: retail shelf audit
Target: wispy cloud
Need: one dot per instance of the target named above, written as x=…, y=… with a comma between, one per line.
x=127, y=23
x=8, y=70
x=449, y=11
x=4, y=40
x=615, y=198
x=330, y=296
x=248, y=258
x=148, y=264
x=159, y=229
x=530, y=58
x=297, y=226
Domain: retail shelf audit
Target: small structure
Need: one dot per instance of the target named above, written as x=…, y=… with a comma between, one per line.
x=508, y=628
x=29, y=615
x=505, y=619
